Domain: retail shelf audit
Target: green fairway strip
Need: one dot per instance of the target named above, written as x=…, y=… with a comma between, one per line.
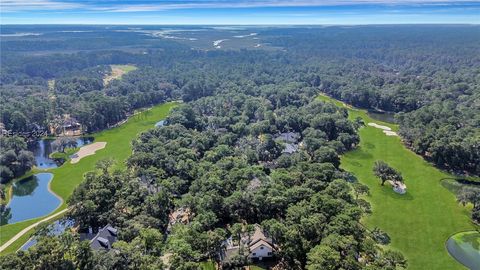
x=419, y=222
x=69, y=176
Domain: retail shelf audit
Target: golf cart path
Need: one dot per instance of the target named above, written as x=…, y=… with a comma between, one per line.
x=24, y=231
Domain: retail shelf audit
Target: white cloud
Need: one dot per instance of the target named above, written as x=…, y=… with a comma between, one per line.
x=21, y=5
x=159, y=5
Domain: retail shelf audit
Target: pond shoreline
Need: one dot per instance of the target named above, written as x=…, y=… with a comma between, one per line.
x=22, y=198
x=459, y=253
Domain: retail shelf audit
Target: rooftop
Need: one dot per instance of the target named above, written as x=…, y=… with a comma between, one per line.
x=103, y=240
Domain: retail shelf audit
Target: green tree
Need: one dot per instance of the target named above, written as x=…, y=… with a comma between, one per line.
x=383, y=171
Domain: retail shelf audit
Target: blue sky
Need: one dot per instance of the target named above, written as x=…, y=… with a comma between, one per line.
x=239, y=12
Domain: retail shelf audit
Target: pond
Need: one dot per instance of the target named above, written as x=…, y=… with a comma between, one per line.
x=56, y=228
x=31, y=198
x=160, y=123
x=465, y=248
x=388, y=117
x=42, y=149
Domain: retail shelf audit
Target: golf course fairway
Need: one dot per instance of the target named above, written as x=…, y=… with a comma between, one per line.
x=68, y=176
x=418, y=222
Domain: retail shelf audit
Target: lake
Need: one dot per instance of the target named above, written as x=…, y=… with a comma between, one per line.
x=465, y=248
x=31, y=198
x=388, y=117
x=41, y=150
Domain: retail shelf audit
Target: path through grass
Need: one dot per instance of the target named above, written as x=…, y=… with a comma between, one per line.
x=419, y=222
x=68, y=176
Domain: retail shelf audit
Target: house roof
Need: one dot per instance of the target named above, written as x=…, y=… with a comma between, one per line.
x=290, y=148
x=259, y=243
x=259, y=237
x=181, y=214
x=104, y=238
x=290, y=137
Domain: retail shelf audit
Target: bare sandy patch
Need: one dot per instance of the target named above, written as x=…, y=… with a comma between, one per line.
x=375, y=125
x=386, y=130
x=87, y=150
x=390, y=133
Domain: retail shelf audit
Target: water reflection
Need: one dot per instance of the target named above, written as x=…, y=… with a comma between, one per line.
x=43, y=148
x=388, y=117
x=31, y=199
x=56, y=228
x=465, y=248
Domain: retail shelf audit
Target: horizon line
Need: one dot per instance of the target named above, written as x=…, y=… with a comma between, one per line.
x=222, y=24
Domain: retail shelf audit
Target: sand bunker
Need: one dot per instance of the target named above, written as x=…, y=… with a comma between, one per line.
x=87, y=150
x=398, y=187
x=379, y=126
x=388, y=131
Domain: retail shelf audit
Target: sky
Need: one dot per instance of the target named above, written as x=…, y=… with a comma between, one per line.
x=239, y=12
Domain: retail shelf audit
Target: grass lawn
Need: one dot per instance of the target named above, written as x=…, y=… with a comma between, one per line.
x=419, y=222
x=68, y=176
x=117, y=72
x=125, y=68
x=209, y=265
x=64, y=155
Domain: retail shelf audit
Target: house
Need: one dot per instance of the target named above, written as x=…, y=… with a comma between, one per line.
x=288, y=137
x=255, y=247
x=290, y=141
x=260, y=246
x=181, y=215
x=66, y=126
x=103, y=240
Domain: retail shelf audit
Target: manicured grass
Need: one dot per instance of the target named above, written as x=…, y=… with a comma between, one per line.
x=207, y=265
x=419, y=222
x=68, y=176
x=254, y=267
x=64, y=155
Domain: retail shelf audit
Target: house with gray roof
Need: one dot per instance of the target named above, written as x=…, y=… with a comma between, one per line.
x=290, y=141
x=103, y=240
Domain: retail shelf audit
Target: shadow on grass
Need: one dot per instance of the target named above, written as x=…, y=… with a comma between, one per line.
x=355, y=163
x=369, y=145
x=361, y=154
x=388, y=191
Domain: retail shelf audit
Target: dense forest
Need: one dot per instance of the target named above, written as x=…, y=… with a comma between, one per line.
x=224, y=159
x=429, y=75
x=249, y=145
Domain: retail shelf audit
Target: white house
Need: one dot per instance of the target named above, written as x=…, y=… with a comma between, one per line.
x=260, y=246
x=260, y=250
